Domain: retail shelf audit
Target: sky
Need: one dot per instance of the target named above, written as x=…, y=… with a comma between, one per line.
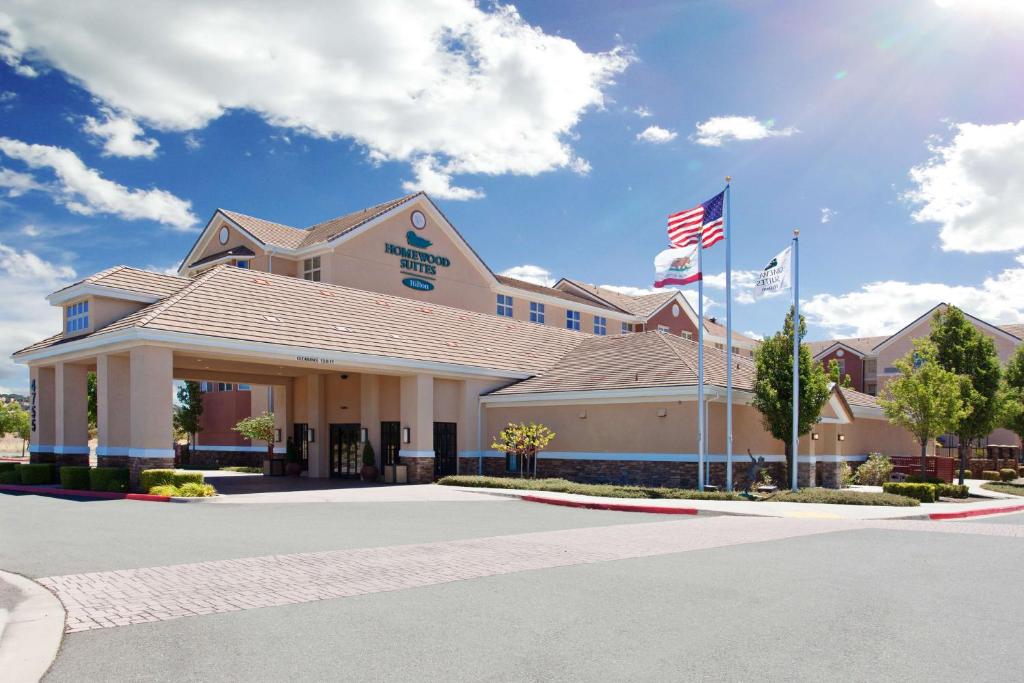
x=557, y=137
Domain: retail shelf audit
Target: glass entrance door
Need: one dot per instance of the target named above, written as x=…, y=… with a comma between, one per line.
x=390, y=443
x=445, y=449
x=345, y=460
x=300, y=437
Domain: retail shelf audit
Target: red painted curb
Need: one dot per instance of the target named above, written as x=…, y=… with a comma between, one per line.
x=617, y=507
x=71, y=493
x=974, y=513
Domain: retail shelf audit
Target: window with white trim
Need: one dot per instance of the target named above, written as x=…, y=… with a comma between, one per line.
x=504, y=305
x=663, y=328
x=536, y=312
x=311, y=269
x=244, y=387
x=572, y=320
x=242, y=264
x=77, y=317
x=686, y=335
x=625, y=328
x=222, y=386
x=600, y=325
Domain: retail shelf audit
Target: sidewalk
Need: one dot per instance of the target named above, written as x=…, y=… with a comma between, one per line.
x=762, y=509
x=31, y=628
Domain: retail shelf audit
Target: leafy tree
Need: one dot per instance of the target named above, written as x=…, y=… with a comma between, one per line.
x=926, y=399
x=773, y=386
x=188, y=410
x=259, y=428
x=962, y=349
x=833, y=374
x=91, y=388
x=1013, y=394
x=524, y=441
x=15, y=420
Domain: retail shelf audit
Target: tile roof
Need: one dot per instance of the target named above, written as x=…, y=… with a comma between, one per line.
x=862, y=345
x=549, y=291
x=268, y=232
x=134, y=280
x=633, y=361
x=856, y=398
x=241, y=250
x=719, y=330
x=248, y=306
x=1016, y=329
x=643, y=305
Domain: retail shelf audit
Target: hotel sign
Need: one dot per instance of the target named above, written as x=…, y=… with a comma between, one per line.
x=420, y=266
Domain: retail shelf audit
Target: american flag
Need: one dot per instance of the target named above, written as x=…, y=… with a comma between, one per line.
x=706, y=219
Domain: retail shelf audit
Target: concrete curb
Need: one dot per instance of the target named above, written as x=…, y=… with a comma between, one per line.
x=70, y=493
x=965, y=514
x=31, y=636
x=617, y=507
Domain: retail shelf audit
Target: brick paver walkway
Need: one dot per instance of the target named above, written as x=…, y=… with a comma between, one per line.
x=133, y=596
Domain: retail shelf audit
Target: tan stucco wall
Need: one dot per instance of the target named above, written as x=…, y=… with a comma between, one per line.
x=152, y=396
x=235, y=239
x=103, y=310
x=113, y=401
x=342, y=397
x=44, y=433
x=866, y=435
x=71, y=395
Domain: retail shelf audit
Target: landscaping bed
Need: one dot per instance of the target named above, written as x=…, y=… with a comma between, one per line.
x=842, y=497
x=1004, y=487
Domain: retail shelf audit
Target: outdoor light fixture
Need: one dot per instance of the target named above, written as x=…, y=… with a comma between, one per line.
x=662, y=412
x=310, y=435
x=815, y=436
x=366, y=434
x=406, y=435
x=277, y=435
x=842, y=437
x=583, y=415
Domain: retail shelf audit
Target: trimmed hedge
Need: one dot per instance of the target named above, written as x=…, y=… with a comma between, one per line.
x=599, y=490
x=10, y=477
x=109, y=479
x=8, y=466
x=38, y=473
x=842, y=497
x=75, y=477
x=150, y=478
x=189, y=489
x=922, y=492
x=990, y=475
x=967, y=474
x=241, y=468
x=951, y=490
x=1007, y=474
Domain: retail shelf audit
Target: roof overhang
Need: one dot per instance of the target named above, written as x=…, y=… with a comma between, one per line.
x=995, y=330
x=88, y=289
x=839, y=345
x=597, y=396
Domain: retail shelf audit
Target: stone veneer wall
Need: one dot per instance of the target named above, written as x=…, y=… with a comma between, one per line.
x=39, y=458
x=420, y=470
x=214, y=460
x=135, y=465
x=72, y=460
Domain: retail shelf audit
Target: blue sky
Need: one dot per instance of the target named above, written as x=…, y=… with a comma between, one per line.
x=890, y=133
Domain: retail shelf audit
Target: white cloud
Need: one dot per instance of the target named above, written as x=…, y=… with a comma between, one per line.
x=84, y=191
x=165, y=270
x=656, y=135
x=719, y=129
x=436, y=182
x=529, y=273
x=193, y=143
x=828, y=214
x=31, y=231
x=743, y=282
x=8, y=96
x=754, y=335
x=974, y=188
x=17, y=183
x=643, y=112
x=25, y=279
x=631, y=291
x=120, y=135
x=445, y=84
x=886, y=306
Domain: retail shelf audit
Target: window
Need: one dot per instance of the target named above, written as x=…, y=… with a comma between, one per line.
x=600, y=325
x=311, y=269
x=242, y=264
x=687, y=335
x=663, y=328
x=872, y=389
x=244, y=387
x=536, y=312
x=572, y=320
x=511, y=462
x=505, y=305
x=224, y=387
x=78, y=316
x=206, y=387
x=625, y=328
x=871, y=366
x=842, y=366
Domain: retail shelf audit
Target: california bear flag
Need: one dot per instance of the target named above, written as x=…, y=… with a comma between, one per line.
x=676, y=267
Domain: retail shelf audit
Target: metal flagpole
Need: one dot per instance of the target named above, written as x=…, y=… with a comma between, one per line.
x=728, y=334
x=796, y=355
x=700, y=361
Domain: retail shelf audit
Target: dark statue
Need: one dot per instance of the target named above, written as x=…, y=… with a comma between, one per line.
x=754, y=473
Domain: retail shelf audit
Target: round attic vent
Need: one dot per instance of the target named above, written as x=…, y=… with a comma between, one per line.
x=223, y=234
x=419, y=221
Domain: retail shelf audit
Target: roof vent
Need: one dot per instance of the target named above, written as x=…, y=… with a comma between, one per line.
x=261, y=281
x=324, y=292
x=424, y=309
x=488, y=348
x=271, y=319
x=396, y=336
x=341, y=328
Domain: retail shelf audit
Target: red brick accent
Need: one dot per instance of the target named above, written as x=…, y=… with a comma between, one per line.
x=420, y=470
x=492, y=467
x=75, y=460
x=214, y=460
x=135, y=465
x=854, y=367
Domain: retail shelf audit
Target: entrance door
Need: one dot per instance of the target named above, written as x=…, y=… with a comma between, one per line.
x=345, y=460
x=390, y=443
x=300, y=437
x=445, y=449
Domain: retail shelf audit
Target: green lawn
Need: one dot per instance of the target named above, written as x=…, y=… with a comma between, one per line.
x=1004, y=487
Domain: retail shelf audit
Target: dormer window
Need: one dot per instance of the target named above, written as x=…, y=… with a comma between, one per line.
x=311, y=269
x=77, y=317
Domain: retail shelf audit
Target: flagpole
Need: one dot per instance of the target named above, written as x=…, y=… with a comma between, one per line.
x=796, y=356
x=728, y=334
x=700, y=361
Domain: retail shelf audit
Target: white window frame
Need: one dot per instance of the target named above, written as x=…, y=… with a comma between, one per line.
x=504, y=305
x=311, y=269
x=600, y=325
x=664, y=328
x=537, y=312
x=77, y=317
x=572, y=320
x=625, y=328
x=686, y=335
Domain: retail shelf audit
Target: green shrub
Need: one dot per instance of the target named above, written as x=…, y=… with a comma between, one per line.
x=922, y=492
x=75, y=477
x=1007, y=474
x=839, y=497
x=967, y=474
x=990, y=475
x=39, y=473
x=239, y=468
x=846, y=477
x=193, y=490
x=8, y=466
x=10, y=477
x=945, y=490
x=164, y=490
x=874, y=471
x=109, y=479
x=600, y=490
x=916, y=479
x=150, y=478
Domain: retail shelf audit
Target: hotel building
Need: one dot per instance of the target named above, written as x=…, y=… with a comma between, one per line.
x=385, y=325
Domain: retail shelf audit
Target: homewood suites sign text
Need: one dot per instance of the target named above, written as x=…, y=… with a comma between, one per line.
x=417, y=262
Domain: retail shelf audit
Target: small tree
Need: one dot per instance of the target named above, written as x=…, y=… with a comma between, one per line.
x=926, y=398
x=773, y=386
x=90, y=383
x=524, y=441
x=1013, y=394
x=188, y=410
x=833, y=374
x=15, y=420
x=962, y=349
x=258, y=429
